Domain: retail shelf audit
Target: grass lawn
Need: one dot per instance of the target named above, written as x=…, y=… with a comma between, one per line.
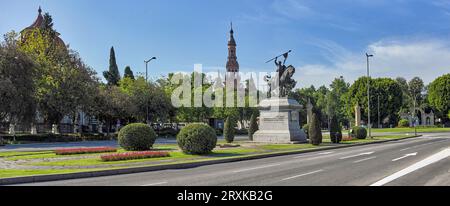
x=46, y=161
x=6, y=173
x=411, y=130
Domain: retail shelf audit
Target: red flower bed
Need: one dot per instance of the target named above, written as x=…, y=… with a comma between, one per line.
x=133, y=156
x=91, y=150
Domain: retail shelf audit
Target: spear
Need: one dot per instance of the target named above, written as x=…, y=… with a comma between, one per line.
x=285, y=56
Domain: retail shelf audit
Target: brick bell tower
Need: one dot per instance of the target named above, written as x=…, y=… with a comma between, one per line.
x=232, y=64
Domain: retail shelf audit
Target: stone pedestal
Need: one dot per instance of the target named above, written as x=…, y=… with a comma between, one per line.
x=279, y=122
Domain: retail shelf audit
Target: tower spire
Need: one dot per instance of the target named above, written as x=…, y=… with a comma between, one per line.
x=232, y=64
x=231, y=31
x=40, y=10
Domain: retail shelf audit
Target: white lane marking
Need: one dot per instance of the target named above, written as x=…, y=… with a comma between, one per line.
x=311, y=155
x=297, y=176
x=406, y=149
x=255, y=168
x=430, y=160
x=421, y=145
x=405, y=156
x=362, y=154
x=364, y=159
x=153, y=184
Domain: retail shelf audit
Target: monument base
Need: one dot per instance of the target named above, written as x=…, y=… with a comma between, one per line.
x=279, y=122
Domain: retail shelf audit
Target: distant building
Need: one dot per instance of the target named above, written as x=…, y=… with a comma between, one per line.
x=39, y=23
x=83, y=122
x=232, y=63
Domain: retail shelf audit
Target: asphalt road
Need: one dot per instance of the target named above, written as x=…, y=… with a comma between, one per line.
x=419, y=161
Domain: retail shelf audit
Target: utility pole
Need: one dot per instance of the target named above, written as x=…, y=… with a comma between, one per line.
x=379, y=111
x=146, y=80
x=368, y=95
x=414, y=117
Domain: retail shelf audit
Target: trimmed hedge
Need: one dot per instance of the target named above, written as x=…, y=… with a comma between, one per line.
x=57, y=137
x=197, y=139
x=359, y=132
x=315, y=133
x=136, y=137
x=92, y=150
x=3, y=142
x=228, y=131
x=335, y=131
x=133, y=156
x=403, y=123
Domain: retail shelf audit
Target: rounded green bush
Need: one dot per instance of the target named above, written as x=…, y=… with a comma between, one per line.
x=359, y=132
x=197, y=139
x=136, y=137
x=403, y=123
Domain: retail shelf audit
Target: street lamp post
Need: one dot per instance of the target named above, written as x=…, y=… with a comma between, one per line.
x=146, y=67
x=415, y=116
x=146, y=80
x=368, y=95
x=379, y=111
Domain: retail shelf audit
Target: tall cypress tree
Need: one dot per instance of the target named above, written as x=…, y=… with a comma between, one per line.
x=228, y=130
x=128, y=73
x=315, y=133
x=253, y=126
x=113, y=75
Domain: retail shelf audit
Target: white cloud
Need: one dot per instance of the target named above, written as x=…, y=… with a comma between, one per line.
x=292, y=9
x=427, y=59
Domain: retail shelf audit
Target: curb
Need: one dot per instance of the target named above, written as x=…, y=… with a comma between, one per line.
x=56, y=177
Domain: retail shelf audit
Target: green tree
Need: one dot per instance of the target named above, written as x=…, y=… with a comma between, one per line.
x=416, y=87
x=253, y=126
x=112, y=104
x=315, y=133
x=128, y=73
x=147, y=97
x=228, y=131
x=63, y=81
x=112, y=76
x=439, y=94
x=339, y=91
x=387, y=90
x=17, y=88
x=406, y=95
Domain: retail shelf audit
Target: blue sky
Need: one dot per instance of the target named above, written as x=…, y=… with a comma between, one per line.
x=328, y=37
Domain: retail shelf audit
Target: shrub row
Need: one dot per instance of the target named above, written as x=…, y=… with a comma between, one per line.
x=192, y=139
x=92, y=150
x=133, y=156
x=403, y=123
